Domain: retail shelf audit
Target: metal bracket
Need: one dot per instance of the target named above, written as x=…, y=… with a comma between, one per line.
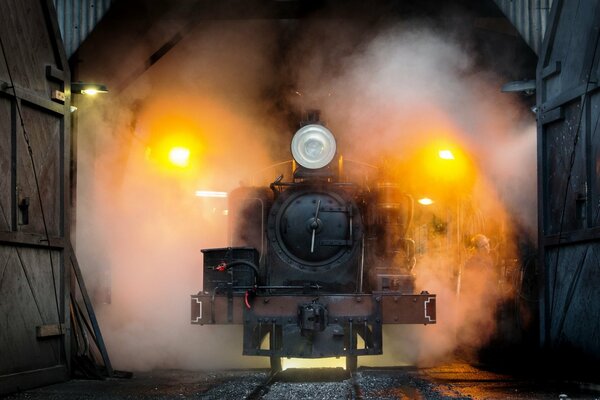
x=199, y=317
x=427, y=316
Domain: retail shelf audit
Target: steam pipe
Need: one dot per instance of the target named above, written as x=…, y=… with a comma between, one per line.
x=243, y=262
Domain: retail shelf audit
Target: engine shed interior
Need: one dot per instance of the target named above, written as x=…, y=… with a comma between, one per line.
x=306, y=177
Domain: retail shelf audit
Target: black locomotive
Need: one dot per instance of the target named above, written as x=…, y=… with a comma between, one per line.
x=316, y=265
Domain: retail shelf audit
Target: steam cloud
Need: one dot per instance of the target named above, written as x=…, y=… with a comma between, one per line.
x=140, y=228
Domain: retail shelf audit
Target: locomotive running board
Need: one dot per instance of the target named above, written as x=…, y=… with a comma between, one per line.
x=382, y=307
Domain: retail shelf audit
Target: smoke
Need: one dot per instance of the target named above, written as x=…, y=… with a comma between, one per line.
x=408, y=92
x=384, y=93
x=140, y=226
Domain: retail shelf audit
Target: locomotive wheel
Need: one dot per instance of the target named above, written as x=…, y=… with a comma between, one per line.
x=275, y=364
x=351, y=363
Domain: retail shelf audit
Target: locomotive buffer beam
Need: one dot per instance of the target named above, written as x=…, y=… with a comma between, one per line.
x=314, y=326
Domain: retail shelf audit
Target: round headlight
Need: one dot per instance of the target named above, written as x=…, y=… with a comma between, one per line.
x=313, y=146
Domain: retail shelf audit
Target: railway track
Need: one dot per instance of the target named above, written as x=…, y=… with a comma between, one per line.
x=454, y=381
x=329, y=383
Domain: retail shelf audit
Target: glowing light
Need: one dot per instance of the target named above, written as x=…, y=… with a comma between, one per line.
x=90, y=89
x=313, y=146
x=209, y=193
x=426, y=201
x=329, y=362
x=444, y=170
x=179, y=156
x=175, y=153
x=89, y=92
x=446, y=155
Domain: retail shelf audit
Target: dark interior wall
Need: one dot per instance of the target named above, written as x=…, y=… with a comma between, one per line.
x=34, y=183
x=135, y=35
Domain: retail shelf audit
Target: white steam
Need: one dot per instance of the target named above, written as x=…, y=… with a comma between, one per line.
x=409, y=87
x=140, y=229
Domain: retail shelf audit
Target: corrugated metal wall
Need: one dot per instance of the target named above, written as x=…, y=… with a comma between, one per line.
x=530, y=18
x=77, y=18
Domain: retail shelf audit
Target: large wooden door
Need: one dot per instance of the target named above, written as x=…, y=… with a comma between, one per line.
x=34, y=206
x=568, y=82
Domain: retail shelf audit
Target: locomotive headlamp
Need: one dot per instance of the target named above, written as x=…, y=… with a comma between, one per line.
x=313, y=146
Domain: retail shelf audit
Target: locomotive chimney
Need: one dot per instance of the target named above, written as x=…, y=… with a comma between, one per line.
x=313, y=116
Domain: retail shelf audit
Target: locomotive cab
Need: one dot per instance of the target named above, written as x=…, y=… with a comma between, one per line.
x=314, y=263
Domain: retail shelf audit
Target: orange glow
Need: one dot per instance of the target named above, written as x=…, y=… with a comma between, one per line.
x=439, y=167
x=215, y=137
x=174, y=152
x=179, y=156
x=426, y=201
x=330, y=362
x=175, y=143
x=451, y=167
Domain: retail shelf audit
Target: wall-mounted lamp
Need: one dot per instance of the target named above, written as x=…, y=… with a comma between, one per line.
x=88, y=88
x=525, y=86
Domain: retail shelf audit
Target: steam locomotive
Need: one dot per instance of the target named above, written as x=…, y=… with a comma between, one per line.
x=317, y=264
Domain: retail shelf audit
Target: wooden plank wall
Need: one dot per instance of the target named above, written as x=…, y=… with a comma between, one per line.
x=34, y=273
x=568, y=97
